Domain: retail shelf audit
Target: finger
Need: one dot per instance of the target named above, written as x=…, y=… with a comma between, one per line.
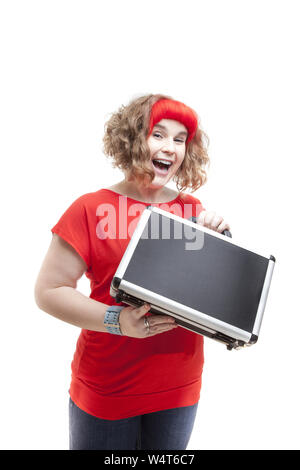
x=217, y=220
x=160, y=319
x=201, y=217
x=158, y=329
x=142, y=310
x=209, y=218
x=162, y=324
x=223, y=226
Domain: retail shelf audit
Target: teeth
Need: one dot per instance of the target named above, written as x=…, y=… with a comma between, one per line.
x=164, y=162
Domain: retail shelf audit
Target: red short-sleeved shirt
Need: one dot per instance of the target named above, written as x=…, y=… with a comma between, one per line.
x=113, y=376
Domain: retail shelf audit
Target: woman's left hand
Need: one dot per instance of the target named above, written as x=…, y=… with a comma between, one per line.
x=213, y=221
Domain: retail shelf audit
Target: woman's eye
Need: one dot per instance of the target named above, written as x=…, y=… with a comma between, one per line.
x=156, y=134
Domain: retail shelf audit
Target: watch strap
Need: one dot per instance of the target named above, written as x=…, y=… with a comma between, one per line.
x=111, y=319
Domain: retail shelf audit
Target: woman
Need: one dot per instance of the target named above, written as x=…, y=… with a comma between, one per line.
x=136, y=384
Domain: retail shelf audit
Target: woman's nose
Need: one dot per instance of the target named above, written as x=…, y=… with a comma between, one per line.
x=168, y=145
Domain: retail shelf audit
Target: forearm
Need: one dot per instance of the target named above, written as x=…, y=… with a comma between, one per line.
x=71, y=306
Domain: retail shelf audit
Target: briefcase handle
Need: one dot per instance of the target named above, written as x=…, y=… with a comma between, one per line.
x=225, y=232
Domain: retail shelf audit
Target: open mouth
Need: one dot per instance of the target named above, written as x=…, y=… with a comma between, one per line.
x=162, y=166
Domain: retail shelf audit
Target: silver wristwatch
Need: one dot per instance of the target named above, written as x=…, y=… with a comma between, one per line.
x=111, y=319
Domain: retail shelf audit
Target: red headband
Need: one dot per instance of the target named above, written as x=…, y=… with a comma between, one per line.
x=171, y=109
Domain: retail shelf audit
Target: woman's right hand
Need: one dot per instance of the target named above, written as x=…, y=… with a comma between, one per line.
x=133, y=324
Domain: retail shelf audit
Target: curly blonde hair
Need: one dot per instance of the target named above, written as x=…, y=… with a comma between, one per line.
x=125, y=140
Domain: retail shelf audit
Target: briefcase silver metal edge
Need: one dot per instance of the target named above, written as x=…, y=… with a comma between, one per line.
x=193, y=320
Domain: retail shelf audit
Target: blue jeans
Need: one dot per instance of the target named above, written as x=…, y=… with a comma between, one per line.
x=162, y=430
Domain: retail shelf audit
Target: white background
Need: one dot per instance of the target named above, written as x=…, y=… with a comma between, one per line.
x=65, y=66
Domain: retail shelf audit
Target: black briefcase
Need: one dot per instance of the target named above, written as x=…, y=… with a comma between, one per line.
x=208, y=283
